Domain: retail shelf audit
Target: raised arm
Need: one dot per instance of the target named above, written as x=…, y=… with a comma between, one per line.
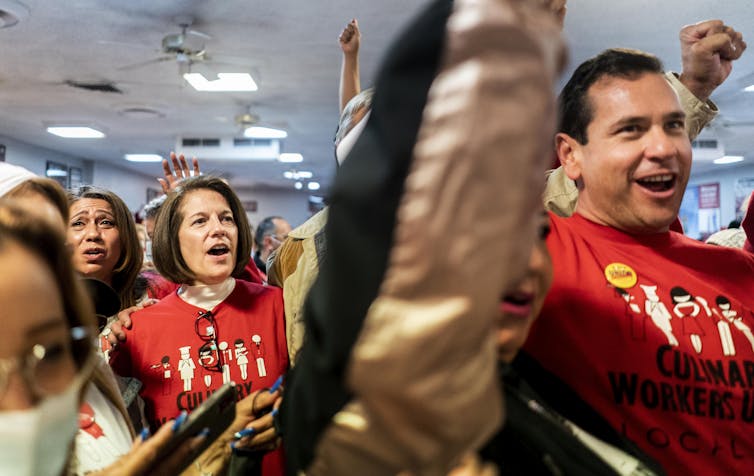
x=708, y=49
x=182, y=171
x=350, y=83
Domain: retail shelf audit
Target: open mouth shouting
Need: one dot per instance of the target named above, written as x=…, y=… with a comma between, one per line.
x=94, y=254
x=220, y=250
x=658, y=183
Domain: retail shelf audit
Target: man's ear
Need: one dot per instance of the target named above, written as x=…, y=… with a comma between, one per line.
x=267, y=242
x=569, y=154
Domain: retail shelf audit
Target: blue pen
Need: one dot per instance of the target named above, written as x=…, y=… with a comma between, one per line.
x=276, y=385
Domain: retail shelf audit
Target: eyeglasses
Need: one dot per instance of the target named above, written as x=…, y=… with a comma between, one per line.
x=50, y=370
x=206, y=328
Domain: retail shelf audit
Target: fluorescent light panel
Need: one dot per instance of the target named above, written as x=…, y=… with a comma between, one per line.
x=297, y=174
x=290, y=158
x=312, y=185
x=749, y=89
x=75, y=132
x=224, y=82
x=255, y=132
x=143, y=157
x=728, y=159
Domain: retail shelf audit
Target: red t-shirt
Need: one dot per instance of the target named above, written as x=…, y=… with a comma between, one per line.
x=177, y=368
x=656, y=333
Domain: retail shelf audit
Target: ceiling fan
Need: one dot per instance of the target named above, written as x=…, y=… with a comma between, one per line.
x=185, y=48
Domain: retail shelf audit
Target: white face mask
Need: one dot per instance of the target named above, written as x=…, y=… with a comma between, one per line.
x=37, y=441
x=346, y=143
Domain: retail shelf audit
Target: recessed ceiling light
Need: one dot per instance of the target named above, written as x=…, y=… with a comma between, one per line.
x=76, y=132
x=312, y=185
x=305, y=174
x=290, y=158
x=288, y=174
x=298, y=185
x=224, y=82
x=728, y=159
x=143, y=157
x=255, y=132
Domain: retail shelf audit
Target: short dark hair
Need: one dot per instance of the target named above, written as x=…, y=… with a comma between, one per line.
x=265, y=227
x=166, y=250
x=131, y=255
x=575, y=111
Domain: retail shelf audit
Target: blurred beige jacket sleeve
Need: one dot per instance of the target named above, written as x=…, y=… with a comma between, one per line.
x=423, y=370
x=561, y=194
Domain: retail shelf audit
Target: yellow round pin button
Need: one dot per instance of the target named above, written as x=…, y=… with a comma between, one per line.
x=620, y=275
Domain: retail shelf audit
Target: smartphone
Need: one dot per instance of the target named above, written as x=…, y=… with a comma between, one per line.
x=216, y=413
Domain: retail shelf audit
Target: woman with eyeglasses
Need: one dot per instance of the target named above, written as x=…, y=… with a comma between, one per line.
x=214, y=329
x=47, y=354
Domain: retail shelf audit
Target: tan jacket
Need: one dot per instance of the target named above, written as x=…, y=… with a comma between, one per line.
x=423, y=368
x=294, y=267
x=561, y=194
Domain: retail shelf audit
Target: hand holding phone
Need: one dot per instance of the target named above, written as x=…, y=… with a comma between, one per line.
x=212, y=417
x=260, y=433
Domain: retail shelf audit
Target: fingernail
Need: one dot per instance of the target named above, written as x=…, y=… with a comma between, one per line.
x=204, y=433
x=276, y=385
x=274, y=412
x=179, y=421
x=144, y=433
x=246, y=432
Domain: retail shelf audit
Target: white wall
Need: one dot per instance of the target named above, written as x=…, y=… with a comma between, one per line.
x=35, y=158
x=291, y=205
x=130, y=186
x=726, y=177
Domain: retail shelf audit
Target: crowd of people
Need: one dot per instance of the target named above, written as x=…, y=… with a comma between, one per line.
x=453, y=310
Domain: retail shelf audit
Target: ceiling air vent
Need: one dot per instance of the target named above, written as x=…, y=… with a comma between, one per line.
x=101, y=86
x=252, y=142
x=12, y=12
x=197, y=142
x=707, y=149
x=229, y=148
x=141, y=112
x=704, y=144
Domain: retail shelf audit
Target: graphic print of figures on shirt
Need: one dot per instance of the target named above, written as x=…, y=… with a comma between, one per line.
x=687, y=308
x=258, y=349
x=165, y=370
x=208, y=361
x=241, y=358
x=637, y=319
x=186, y=368
x=728, y=316
x=659, y=314
x=227, y=358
